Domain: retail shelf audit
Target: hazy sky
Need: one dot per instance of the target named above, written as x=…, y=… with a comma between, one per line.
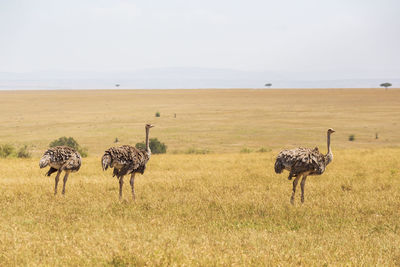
x=331, y=38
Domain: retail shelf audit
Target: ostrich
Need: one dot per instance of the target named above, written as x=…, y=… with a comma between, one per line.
x=127, y=160
x=303, y=162
x=61, y=158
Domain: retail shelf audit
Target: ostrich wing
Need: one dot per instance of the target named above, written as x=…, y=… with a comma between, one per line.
x=125, y=159
x=300, y=160
x=65, y=157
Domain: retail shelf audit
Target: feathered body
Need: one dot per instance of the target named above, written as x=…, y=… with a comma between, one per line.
x=61, y=158
x=303, y=162
x=127, y=160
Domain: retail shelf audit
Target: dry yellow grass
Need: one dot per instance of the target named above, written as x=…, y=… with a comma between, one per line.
x=217, y=120
x=214, y=209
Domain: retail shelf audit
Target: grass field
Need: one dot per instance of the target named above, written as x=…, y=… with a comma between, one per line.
x=221, y=208
x=215, y=120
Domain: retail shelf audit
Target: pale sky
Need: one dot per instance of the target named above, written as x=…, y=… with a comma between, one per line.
x=331, y=38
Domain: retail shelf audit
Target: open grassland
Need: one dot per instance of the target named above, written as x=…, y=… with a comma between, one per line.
x=222, y=208
x=217, y=209
x=214, y=120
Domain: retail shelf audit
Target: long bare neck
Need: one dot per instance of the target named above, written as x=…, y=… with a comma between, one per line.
x=329, y=143
x=147, y=141
x=329, y=155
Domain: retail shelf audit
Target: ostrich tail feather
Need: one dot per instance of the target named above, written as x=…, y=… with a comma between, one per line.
x=106, y=161
x=279, y=166
x=44, y=161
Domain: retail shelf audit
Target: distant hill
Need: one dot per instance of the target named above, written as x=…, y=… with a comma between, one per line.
x=176, y=78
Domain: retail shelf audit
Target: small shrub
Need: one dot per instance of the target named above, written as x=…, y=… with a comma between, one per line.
x=158, y=114
x=263, y=150
x=141, y=145
x=6, y=150
x=352, y=137
x=116, y=140
x=23, y=152
x=83, y=151
x=156, y=146
x=245, y=150
x=64, y=141
x=193, y=150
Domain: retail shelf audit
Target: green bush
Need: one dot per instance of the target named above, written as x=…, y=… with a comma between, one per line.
x=64, y=141
x=352, y=137
x=157, y=115
x=141, y=145
x=23, y=152
x=156, y=146
x=83, y=151
x=6, y=150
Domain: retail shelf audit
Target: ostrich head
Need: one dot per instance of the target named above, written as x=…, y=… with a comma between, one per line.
x=330, y=130
x=148, y=126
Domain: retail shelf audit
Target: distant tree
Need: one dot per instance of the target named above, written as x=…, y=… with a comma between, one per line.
x=158, y=114
x=117, y=85
x=386, y=85
x=268, y=85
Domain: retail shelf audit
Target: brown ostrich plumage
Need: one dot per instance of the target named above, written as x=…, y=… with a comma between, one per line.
x=303, y=162
x=61, y=158
x=127, y=160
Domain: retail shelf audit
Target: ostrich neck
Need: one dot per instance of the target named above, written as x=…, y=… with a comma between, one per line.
x=329, y=155
x=329, y=143
x=147, y=141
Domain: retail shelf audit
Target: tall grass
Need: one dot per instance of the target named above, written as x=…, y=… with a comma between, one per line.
x=215, y=209
x=197, y=208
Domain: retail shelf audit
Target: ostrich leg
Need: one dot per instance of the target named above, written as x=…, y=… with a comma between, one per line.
x=294, y=188
x=121, y=183
x=65, y=181
x=56, y=180
x=133, y=185
x=302, y=184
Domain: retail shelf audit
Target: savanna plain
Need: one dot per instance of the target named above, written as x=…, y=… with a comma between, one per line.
x=213, y=198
